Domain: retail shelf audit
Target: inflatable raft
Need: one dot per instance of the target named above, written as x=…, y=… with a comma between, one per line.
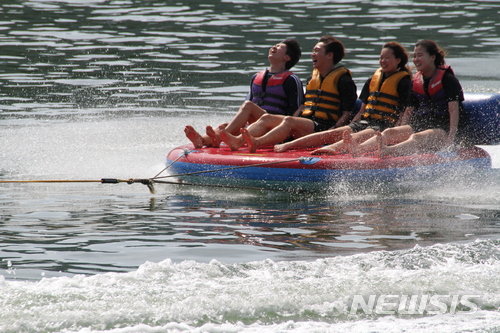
x=294, y=168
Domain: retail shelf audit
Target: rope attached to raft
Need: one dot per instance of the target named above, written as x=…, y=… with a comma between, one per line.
x=149, y=182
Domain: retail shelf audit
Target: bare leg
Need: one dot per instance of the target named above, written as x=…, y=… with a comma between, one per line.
x=234, y=142
x=312, y=140
x=265, y=124
x=337, y=147
x=408, y=146
x=356, y=149
x=270, y=129
x=295, y=127
x=360, y=142
x=428, y=140
x=351, y=140
x=349, y=144
x=197, y=140
x=327, y=150
x=248, y=112
x=391, y=136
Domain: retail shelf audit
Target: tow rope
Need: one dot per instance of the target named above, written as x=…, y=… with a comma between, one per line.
x=149, y=182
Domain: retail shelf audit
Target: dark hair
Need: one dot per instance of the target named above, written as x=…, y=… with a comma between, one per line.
x=434, y=50
x=333, y=45
x=293, y=51
x=399, y=53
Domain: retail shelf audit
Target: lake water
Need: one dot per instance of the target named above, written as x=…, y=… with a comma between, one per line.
x=103, y=89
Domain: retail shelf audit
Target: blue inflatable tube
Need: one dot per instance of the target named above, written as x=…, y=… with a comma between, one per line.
x=483, y=118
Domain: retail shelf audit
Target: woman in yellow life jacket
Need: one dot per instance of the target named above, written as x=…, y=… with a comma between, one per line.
x=384, y=97
x=330, y=98
x=435, y=112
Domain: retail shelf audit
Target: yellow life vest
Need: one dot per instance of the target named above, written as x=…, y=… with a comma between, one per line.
x=322, y=96
x=383, y=101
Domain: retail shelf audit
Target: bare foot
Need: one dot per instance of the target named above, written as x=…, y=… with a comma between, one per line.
x=326, y=150
x=281, y=148
x=250, y=140
x=333, y=149
x=214, y=136
x=194, y=136
x=350, y=145
x=222, y=126
x=233, y=142
x=382, y=147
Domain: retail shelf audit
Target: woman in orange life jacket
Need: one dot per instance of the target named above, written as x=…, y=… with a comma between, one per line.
x=330, y=98
x=384, y=97
x=275, y=90
x=431, y=121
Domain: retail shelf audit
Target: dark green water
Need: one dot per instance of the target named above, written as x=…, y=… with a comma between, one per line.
x=95, y=89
